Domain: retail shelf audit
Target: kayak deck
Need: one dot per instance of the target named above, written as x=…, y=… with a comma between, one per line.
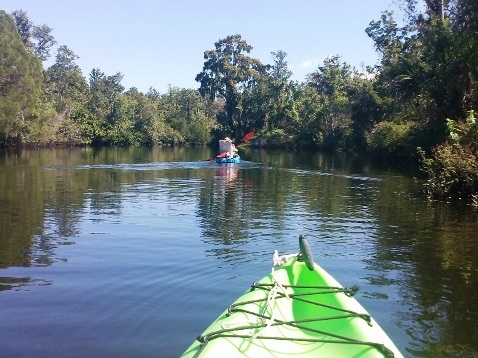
x=294, y=311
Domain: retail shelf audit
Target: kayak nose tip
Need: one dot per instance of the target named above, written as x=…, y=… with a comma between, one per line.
x=305, y=253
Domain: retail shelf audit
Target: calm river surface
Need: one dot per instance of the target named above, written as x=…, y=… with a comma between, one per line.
x=132, y=252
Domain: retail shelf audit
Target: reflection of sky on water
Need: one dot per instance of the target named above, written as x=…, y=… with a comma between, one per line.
x=162, y=232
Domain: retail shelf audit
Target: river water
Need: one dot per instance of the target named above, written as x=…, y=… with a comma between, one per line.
x=132, y=252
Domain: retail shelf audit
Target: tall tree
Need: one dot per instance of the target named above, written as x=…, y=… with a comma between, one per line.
x=280, y=69
x=65, y=82
x=104, y=104
x=267, y=105
x=44, y=41
x=227, y=71
x=280, y=91
x=188, y=113
x=366, y=109
x=24, y=27
x=308, y=131
x=67, y=90
x=333, y=81
x=20, y=80
x=37, y=39
x=429, y=66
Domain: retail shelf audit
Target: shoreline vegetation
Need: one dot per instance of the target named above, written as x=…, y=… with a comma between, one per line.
x=416, y=105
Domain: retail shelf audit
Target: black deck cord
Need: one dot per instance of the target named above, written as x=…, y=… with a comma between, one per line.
x=350, y=291
x=204, y=340
x=297, y=296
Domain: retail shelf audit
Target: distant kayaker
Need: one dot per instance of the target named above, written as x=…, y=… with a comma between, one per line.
x=227, y=146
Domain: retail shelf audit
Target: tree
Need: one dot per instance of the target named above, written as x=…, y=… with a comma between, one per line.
x=44, y=41
x=308, y=131
x=20, y=81
x=428, y=67
x=67, y=90
x=65, y=82
x=188, y=113
x=37, y=39
x=227, y=71
x=280, y=70
x=267, y=106
x=333, y=82
x=366, y=108
x=104, y=104
x=24, y=27
x=281, y=91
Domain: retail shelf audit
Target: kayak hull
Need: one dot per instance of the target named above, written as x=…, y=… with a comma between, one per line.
x=294, y=311
x=235, y=159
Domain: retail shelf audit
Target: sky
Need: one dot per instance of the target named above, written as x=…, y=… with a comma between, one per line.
x=158, y=43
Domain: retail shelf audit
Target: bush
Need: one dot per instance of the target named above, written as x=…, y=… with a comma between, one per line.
x=390, y=138
x=452, y=169
x=277, y=138
x=452, y=172
x=464, y=133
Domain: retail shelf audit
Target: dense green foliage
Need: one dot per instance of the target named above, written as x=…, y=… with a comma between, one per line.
x=20, y=82
x=453, y=168
x=427, y=72
x=59, y=105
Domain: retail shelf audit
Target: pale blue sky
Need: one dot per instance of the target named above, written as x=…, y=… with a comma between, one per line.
x=157, y=43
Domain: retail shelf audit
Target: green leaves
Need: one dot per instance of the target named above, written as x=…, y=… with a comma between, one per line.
x=20, y=81
x=37, y=39
x=464, y=133
x=226, y=74
x=452, y=169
